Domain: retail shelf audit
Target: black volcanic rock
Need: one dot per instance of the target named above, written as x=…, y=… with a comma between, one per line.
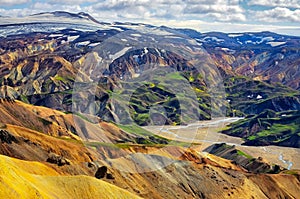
x=7, y=137
x=110, y=176
x=101, y=172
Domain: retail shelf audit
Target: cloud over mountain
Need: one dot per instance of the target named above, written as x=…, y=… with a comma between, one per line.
x=278, y=14
x=229, y=13
x=276, y=3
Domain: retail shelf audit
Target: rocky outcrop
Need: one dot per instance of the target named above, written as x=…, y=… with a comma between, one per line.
x=101, y=172
x=251, y=164
x=57, y=159
x=7, y=137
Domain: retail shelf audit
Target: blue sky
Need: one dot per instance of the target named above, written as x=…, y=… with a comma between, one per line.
x=281, y=16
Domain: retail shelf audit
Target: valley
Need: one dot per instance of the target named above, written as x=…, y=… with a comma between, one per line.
x=207, y=133
x=90, y=109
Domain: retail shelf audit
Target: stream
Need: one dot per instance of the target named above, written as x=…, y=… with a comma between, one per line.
x=179, y=135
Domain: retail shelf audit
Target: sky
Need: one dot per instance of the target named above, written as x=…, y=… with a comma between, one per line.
x=282, y=16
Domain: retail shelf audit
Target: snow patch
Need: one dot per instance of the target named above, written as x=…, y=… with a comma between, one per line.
x=193, y=42
x=259, y=97
x=146, y=50
x=158, y=52
x=94, y=44
x=228, y=50
x=267, y=39
x=225, y=49
x=276, y=43
x=120, y=53
x=136, y=35
x=235, y=35
x=84, y=43
x=72, y=38
x=136, y=58
x=213, y=39
x=56, y=35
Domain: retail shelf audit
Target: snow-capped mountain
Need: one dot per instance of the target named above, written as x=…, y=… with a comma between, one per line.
x=261, y=55
x=58, y=20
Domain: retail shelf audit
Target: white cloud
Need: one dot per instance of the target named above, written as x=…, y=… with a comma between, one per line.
x=277, y=14
x=218, y=10
x=228, y=27
x=123, y=4
x=212, y=2
x=71, y=2
x=38, y=8
x=17, y=12
x=13, y=2
x=276, y=3
x=215, y=15
x=214, y=8
x=228, y=17
x=42, y=7
x=146, y=10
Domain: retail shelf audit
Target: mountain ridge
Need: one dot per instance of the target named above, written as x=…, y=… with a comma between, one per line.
x=62, y=107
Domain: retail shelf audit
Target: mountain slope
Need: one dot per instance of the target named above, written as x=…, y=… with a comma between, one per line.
x=187, y=172
x=22, y=179
x=44, y=73
x=268, y=128
x=256, y=165
x=263, y=56
x=217, y=177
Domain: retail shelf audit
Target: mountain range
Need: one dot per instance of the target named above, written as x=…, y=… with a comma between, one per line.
x=76, y=94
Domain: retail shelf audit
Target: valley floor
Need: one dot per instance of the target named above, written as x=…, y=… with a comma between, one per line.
x=206, y=134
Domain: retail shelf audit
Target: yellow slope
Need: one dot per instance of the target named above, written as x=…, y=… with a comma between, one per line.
x=24, y=179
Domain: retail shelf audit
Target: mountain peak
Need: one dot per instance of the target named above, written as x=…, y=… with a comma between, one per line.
x=65, y=15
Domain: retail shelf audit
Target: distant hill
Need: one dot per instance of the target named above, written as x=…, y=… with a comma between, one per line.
x=269, y=128
x=256, y=165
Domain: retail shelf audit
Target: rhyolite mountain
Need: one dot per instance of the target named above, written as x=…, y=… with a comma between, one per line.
x=69, y=119
x=42, y=155
x=256, y=165
x=43, y=58
x=268, y=128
